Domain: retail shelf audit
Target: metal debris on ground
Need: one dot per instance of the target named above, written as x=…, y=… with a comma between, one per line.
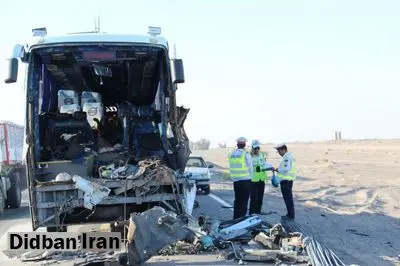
x=80, y=257
x=182, y=248
x=354, y=231
x=237, y=228
x=150, y=231
x=318, y=254
x=249, y=238
x=160, y=232
x=272, y=245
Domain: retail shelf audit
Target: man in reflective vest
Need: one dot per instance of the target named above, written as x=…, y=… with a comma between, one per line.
x=260, y=175
x=241, y=171
x=286, y=172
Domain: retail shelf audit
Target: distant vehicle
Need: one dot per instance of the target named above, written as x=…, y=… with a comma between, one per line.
x=12, y=167
x=200, y=172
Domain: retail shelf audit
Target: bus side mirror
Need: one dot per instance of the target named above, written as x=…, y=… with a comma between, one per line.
x=177, y=73
x=12, y=71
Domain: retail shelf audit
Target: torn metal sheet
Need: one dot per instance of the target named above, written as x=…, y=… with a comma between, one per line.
x=267, y=241
x=94, y=193
x=242, y=227
x=291, y=242
x=148, y=176
x=190, y=196
x=265, y=255
x=318, y=254
x=152, y=230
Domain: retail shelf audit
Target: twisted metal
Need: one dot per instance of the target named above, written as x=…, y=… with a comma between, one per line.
x=319, y=255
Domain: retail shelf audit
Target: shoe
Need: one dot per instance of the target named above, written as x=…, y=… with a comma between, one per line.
x=287, y=217
x=267, y=213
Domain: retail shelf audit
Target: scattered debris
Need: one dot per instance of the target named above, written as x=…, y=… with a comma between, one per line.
x=190, y=196
x=237, y=228
x=36, y=255
x=153, y=173
x=94, y=192
x=63, y=177
x=160, y=232
x=151, y=231
x=268, y=242
x=207, y=242
x=316, y=252
x=250, y=239
x=182, y=248
x=80, y=257
x=354, y=231
x=266, y=255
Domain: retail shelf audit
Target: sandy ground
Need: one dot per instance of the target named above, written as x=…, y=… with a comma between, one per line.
x=347, y=194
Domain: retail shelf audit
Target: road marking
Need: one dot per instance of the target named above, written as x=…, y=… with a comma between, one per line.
x=223, y=202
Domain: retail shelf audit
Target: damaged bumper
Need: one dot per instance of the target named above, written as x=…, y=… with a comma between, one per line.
x=105, y=199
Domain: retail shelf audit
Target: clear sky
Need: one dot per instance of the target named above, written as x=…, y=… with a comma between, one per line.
x=273, y=70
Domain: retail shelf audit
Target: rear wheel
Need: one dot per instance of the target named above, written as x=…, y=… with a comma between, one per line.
x=14, y=193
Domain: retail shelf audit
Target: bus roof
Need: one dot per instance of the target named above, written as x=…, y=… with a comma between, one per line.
x=98, y=38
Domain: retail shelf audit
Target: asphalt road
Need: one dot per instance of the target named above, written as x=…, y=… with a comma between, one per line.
x=18, y=220
x=216, y=205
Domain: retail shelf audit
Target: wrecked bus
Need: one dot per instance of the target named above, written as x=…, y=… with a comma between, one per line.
x=104, y=135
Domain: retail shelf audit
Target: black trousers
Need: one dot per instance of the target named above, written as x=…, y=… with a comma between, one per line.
x=242, y=194
x=256, y=197
x=286, y=189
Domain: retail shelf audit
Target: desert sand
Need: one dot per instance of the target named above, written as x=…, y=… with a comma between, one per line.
x=347, y=194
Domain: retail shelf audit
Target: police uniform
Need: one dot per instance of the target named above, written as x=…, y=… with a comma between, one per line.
x=241, y=172
x=287, y=175
x=258, y=180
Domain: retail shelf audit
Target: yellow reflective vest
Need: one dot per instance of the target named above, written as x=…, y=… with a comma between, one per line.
x=237, y=165
x=288, y=161
x=259, y=160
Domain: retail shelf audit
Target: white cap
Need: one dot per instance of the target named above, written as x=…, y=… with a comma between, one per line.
x=281, y=145
x=255, y=144
x=241, y=140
